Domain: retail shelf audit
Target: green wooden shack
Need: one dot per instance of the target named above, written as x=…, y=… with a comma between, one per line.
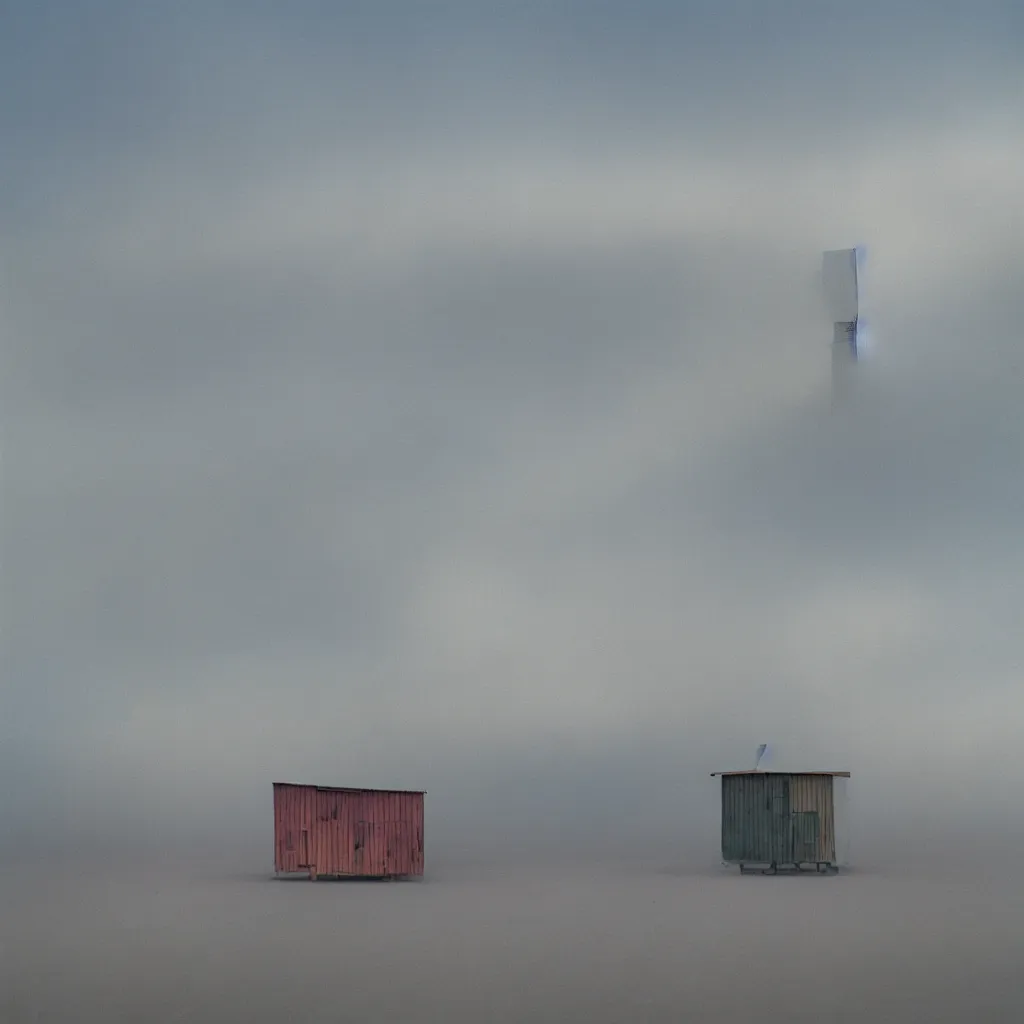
x=783, y=819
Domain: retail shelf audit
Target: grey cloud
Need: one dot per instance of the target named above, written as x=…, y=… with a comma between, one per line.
x=493, y=456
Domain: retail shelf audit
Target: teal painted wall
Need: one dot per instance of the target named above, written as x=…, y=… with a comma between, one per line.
x=777, y=818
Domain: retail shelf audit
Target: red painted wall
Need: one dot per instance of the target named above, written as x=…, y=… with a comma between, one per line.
x=371, y=833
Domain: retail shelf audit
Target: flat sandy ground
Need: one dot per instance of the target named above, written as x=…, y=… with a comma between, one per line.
x=596, y=944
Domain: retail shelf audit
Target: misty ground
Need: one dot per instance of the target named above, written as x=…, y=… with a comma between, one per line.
x=912, y=935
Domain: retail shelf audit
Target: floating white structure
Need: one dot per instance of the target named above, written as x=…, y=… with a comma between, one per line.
x=842, y=295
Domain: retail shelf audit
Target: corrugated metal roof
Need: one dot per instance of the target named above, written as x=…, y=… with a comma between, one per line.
x=758, y=771
x=353, y=789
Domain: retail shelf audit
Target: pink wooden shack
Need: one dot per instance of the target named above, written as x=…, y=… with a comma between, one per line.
x=330, y=831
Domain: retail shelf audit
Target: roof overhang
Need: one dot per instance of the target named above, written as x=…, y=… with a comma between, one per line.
x=758, y=771
x=351, y=789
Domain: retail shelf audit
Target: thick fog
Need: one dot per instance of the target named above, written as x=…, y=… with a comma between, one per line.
x=440, y=399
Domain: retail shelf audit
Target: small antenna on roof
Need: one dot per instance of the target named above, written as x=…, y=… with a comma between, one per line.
x=760, y=753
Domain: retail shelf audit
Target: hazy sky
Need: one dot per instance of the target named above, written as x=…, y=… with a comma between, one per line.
x=437, y=396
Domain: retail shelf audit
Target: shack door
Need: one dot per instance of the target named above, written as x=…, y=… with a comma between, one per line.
x=397, y=859
x=306, y=849
x=370, y=855
x=806, y=831
x=362, y=832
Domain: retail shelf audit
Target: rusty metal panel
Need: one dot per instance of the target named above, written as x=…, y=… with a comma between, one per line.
x=293, y=824
x=812, y=795
x=332, y=831
x=841, y=821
